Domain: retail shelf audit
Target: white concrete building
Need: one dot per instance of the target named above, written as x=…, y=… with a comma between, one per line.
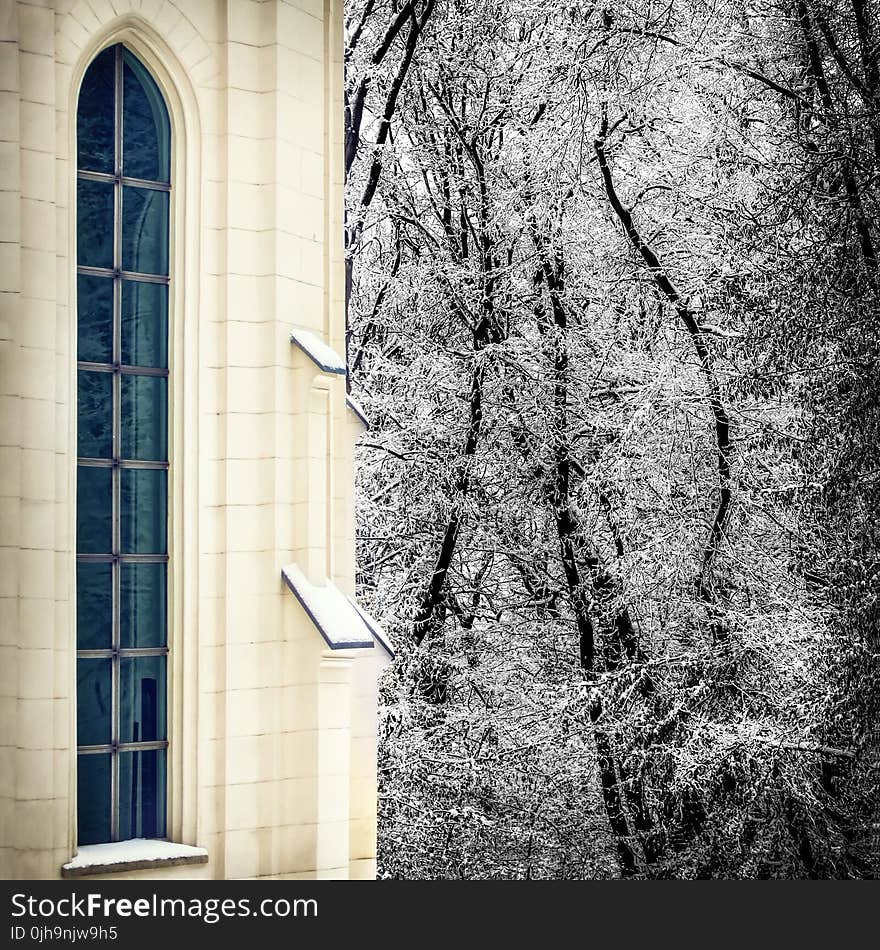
x=179, y=660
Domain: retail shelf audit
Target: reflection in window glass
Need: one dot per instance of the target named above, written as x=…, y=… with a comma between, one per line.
x=144, y=324
x=94, y=606
x=144, y=418
x=142, y=501
x=94, y=223
x=142, y=784
x=94, y=704
x=94, y=126
x=94, y=318
x=145, y=231
x=95, y=419
x=94, y=510
x=93, y=798
x=146, y=131
x=143, y=605
x=142, y=699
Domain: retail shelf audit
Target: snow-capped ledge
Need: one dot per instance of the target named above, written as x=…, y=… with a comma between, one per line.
x=336, y=618
x=373, y=625
x=355, y=407
x=138, y=854
x=323, y=356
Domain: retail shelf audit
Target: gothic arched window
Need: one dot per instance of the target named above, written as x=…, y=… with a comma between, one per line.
x=122, y=218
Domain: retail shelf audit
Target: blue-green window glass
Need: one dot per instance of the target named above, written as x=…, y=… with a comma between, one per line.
x=145, y=231
x=94, y=708
x=142, y=784
x=146, y=131
x=143, y=699
x=94, y=510
x=143, y=605
x=123, y=201
x=144, y=417
x=94, y=223
x=143, y=503
x=94, y=317
x=95, y=426
x=144, y=324
x=95, y=124
x=93, y=798
x=94, y=606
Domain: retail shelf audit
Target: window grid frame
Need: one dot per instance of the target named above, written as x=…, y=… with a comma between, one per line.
x=116, y=652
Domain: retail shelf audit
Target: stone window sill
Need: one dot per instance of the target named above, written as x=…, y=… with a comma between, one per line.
x=136, y=855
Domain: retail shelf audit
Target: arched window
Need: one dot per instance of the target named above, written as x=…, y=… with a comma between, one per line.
x=123, y=191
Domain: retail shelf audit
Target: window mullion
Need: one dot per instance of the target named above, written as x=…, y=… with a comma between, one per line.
x=117, y=439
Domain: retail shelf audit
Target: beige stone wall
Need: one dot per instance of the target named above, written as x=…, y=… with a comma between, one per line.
x=272, y=733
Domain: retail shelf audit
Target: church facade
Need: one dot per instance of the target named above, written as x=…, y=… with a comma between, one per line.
x=188, y=687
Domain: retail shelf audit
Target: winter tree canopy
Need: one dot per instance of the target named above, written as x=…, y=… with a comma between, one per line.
x=613, y=315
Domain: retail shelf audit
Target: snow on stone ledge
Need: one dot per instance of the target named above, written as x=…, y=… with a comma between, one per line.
x=326, y=358
x=338, y=621
x=378, y=631
x=132, y=855
x=358, y=410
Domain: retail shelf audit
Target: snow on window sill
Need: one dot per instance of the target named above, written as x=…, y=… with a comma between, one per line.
x=138, y=854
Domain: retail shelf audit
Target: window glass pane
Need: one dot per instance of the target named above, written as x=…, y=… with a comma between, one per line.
x=94, y=223
x=145, y=418
x=142, y=698
x=94, y=319
x=146, y=132
x=93, y=510
x=144, y=324
x=142, y=786
x=93, y=798
x=139, y=496
x=95, y=116
x=94, y=702
x=144, y=231
x=143, y=503
x=94, y=606
x=95, y=415
x=143, y=605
